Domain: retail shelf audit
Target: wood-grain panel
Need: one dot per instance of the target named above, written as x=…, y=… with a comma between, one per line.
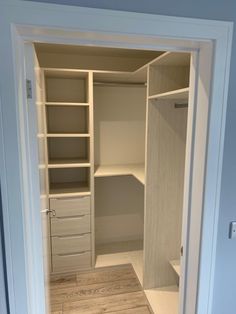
x=71, y=244
x=70, y=226
x=166, y=140
x=71, y=262
x=70, y=206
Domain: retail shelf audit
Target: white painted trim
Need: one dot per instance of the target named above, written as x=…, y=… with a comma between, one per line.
x=64, y=24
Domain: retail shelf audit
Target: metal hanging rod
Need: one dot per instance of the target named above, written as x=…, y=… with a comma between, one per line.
x=134, y=84
x=179, y=106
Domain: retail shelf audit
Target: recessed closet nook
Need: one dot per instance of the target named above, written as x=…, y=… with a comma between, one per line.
x=112, y=129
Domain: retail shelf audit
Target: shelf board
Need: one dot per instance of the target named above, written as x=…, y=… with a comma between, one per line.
x=68, y=135
x=178, y=94
x=69, y=189
x=136, y=170
x=66, y=104
x=68, y=163
x=164, y=300
x=176, y=266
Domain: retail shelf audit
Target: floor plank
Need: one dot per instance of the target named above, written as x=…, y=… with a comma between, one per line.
x=137, y=310
x=106, y=274
x=106, y=290
x=63, y=281
x=107, y=304
x=94, y=291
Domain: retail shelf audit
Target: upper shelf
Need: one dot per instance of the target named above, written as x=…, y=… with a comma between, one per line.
x=179, y=94
x=136, y=170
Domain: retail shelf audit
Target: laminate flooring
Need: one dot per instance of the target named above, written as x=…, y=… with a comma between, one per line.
x=110, y=290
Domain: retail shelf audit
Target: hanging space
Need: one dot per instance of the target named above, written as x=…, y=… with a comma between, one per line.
x=167, y=114
x=119, y=144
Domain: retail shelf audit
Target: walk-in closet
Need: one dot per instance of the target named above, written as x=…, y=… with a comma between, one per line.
x=112, y=127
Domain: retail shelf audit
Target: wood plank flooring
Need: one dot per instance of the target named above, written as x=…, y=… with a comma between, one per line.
x=113, y=290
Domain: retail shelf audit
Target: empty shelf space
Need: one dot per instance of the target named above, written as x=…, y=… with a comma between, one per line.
x=68, y=135
x=164, y=300
x=136, y=170
x=69, y=189
x=69, y=181
x=179, y=94
x=176, y=266
x=66, y=86
x=172, y=59
x=67, y=104
x=67, y=119
x=68, y=163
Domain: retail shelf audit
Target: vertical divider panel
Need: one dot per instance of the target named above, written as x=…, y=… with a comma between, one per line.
x=91, y=156
x=46, y=160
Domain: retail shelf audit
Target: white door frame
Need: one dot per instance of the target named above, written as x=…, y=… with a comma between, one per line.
x=23, y=21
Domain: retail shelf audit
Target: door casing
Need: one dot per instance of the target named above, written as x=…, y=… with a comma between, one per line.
x=33, y=22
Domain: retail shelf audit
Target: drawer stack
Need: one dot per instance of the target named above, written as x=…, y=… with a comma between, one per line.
x=71, y=233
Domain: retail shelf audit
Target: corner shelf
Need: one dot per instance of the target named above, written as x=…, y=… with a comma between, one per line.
x=136, y=170
x=176, y=266
x=178, y=94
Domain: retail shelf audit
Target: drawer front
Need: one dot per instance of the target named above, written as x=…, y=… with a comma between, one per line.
x=70, y=206
x=71, y=261
x=71, y=244
x=70, y=225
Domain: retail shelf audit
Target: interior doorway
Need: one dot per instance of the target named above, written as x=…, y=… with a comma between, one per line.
x=112, y=130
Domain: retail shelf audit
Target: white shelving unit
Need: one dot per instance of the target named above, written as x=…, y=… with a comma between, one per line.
x=128, y=149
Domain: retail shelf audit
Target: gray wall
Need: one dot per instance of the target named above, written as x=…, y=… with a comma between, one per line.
x=224, y=292
x=3, y=294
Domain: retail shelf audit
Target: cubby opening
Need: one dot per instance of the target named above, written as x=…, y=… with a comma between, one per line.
x=68, y=150
x=66, y=86
x=67, y=119
x=170, y=72
x=69, y=180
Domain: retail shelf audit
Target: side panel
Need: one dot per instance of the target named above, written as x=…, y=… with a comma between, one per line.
x=36, y=112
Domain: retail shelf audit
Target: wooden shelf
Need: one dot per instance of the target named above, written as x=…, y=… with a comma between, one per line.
x=136, y=170
x=50, y=103
x=68, y=135
x=176, y=266
x=68, y=163
x=179, y=94
x=69, y=189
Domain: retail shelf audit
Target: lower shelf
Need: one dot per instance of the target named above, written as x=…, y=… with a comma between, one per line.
x=176, y=266
x=164, y=300
x=69, y=189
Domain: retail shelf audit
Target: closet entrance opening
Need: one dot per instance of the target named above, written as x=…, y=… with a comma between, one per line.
x=112, y=126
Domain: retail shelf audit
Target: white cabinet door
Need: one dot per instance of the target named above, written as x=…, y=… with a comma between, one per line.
x=36, y=112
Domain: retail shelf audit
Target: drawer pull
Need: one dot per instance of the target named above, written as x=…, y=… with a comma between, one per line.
x=72, y=217
x=71, y=237
x=70, y=199
x=74, y=254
